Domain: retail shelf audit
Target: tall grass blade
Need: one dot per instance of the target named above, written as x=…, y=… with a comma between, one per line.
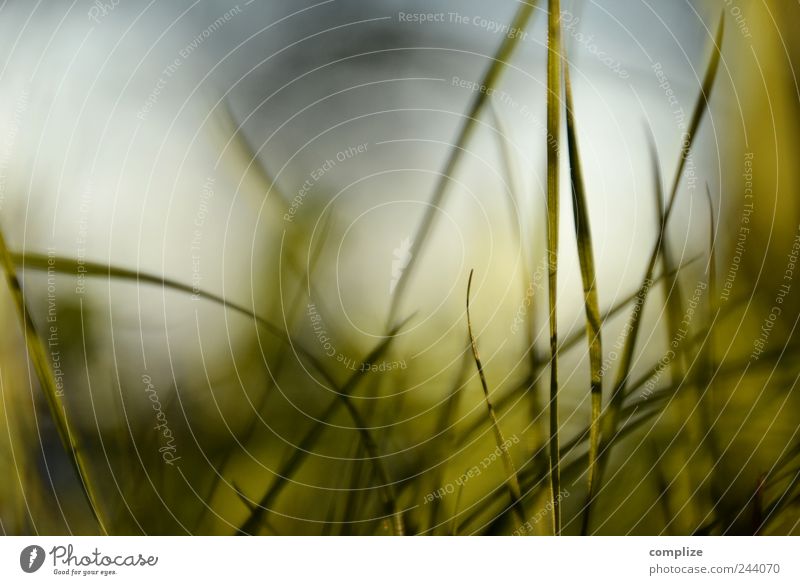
x=554, y=63
x=708, y=356
x=583, y=236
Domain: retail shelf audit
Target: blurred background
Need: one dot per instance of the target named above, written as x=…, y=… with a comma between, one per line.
x=214, y=210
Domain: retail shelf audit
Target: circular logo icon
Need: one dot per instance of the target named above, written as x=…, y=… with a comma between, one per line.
x=31, y=558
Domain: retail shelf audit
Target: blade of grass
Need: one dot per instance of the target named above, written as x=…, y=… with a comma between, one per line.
x=583, y=236
x=511, y=473
x=490, y=80
x=38, y=356
x=707, y=371
x=70, y=267
x=554, y=62
x=713, y=301
x=674, y=307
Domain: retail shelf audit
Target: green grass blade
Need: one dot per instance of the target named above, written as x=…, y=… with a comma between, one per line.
x=70, y=267
x=490, y=80
x=583, y=236
x=511, y=473
x=41, y=365
x=554, y=62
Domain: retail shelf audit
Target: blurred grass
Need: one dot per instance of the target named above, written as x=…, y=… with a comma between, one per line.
x=368, y=460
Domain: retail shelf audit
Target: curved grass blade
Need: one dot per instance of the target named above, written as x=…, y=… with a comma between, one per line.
x=490, y=80
x=512, y=481
x=583, y=236
x=44, y=373
x=70, y=267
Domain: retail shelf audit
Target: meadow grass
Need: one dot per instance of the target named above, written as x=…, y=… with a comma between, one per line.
x=553, y=461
